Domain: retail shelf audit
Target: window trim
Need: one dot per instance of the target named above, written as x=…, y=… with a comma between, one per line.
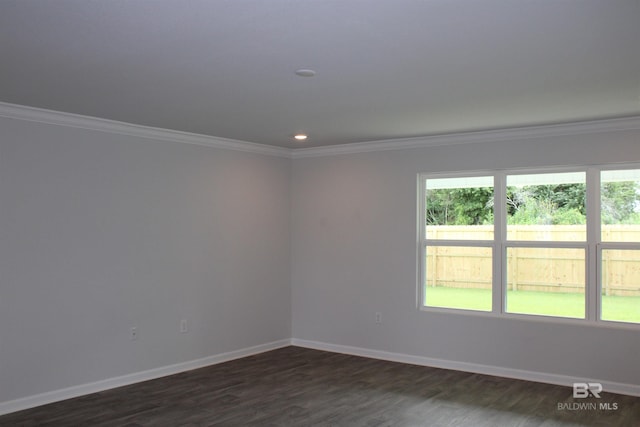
x=593, y=245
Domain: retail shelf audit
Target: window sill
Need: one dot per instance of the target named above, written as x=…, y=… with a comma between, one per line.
x=608, y=324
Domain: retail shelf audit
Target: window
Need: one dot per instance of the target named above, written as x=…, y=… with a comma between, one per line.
x=619, y=249
x=546, y=207
x=546, y=281
x=555, y=243
x=458, y=249
x=546, y=244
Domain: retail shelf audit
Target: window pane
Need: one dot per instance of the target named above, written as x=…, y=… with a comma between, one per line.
x=546, y=207
x=621, y=285
x=458, y=277
x=620, y=205
x=459, y=208
x=546, y=281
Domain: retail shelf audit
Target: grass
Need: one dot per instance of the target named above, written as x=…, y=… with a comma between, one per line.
x=617, y=308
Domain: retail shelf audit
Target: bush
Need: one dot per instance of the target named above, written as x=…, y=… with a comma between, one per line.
x=568, y=217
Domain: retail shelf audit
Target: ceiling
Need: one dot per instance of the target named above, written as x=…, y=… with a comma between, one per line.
x=385, y=69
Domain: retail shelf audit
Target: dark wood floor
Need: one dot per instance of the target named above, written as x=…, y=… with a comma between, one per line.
x=300, y=387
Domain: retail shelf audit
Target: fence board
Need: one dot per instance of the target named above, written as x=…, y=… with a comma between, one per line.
x=533, y=269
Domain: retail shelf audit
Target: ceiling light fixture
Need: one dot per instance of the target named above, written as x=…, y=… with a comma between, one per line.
x=300, y=137
x=305, y=72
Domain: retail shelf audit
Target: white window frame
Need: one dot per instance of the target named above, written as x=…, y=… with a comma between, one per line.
x=423, y=242
x=593, y=246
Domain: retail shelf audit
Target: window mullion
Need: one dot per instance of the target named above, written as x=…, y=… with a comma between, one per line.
x=593, y=280
x=499, y=248
x=422, y=244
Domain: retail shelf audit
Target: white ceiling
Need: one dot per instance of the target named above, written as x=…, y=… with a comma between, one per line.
x=386, y=69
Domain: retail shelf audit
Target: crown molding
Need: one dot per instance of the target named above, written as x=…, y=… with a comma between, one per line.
x=541, y=131
x=40, y=115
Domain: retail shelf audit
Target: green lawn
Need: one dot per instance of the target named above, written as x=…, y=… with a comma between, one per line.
x=626, y=309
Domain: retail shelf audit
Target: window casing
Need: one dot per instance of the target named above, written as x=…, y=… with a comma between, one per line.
x=573, y=268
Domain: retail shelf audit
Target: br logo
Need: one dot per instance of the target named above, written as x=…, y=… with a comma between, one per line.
x=583, y=390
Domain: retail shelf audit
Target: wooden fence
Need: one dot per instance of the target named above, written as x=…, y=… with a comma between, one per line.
x=534, y=269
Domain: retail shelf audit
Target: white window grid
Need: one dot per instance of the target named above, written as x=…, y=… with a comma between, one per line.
x=593, y=246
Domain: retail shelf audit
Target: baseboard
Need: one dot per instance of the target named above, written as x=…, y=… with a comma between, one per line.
x=84, y=389
x=541, y=377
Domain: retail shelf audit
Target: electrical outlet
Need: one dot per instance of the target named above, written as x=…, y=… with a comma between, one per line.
x=133, y=333
x=378, y=317
x=184, y=327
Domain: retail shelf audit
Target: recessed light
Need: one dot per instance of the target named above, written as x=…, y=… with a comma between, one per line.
x=300, y=137
x=305, y=72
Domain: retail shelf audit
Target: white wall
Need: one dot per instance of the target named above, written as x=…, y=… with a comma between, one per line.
x=354, y=254
x=101, y=232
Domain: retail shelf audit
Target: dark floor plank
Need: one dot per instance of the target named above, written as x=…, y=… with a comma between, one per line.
x=301, y=387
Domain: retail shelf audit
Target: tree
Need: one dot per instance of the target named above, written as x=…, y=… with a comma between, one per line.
x=547, y=204
x=535, y=204
x=620, y=201
x=459, y=206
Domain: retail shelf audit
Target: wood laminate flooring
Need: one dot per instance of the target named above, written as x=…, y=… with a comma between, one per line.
x=295, y=386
